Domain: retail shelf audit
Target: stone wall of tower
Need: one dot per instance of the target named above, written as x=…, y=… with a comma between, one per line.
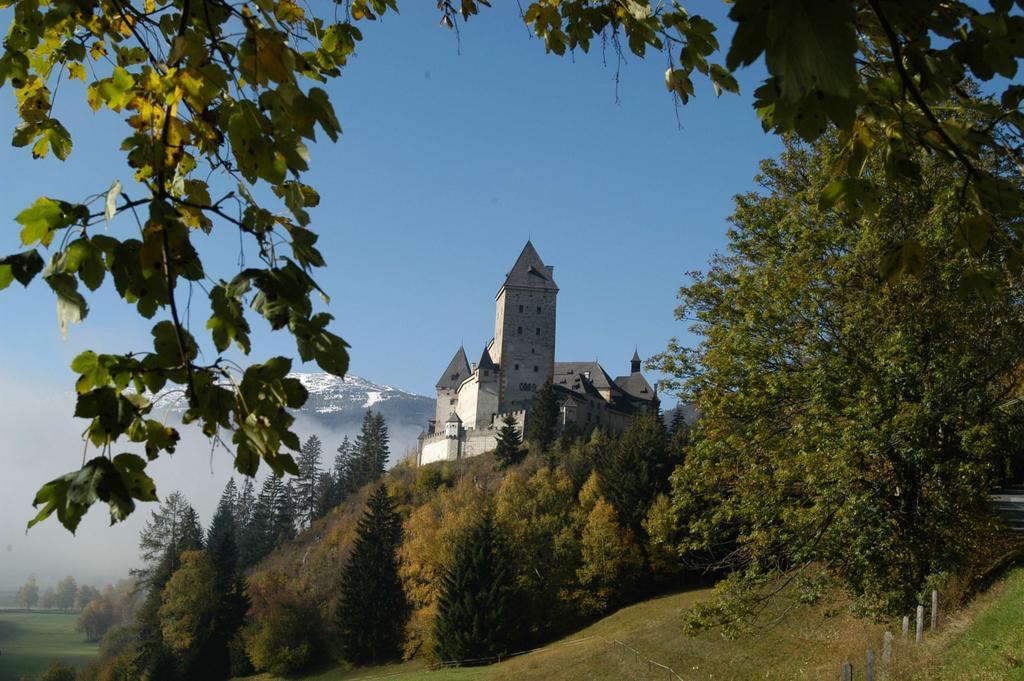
x=524, y=342
x=447, y=402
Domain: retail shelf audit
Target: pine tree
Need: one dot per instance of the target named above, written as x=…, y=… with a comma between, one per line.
x=475, y=612
x=343, y=462
x=191, y=532
x=258, y=538
x=284, y=516
x=508, y=452
x=371, y=452
x=213, y=661
x=326, y=489
x=221, y=538
x=373, y=609
x=543, y=417
x=306, y=485
x=244, y=508
x=635, y=469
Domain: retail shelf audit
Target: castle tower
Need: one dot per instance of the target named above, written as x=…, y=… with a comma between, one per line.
x=448, y=386
x=524, y=330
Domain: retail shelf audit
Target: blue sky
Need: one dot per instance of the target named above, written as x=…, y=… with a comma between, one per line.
x=453, y=155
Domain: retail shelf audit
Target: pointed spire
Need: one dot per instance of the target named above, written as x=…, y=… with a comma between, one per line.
x=634, y=364
x=457, y=371
x=486, y=362
x=530, y=271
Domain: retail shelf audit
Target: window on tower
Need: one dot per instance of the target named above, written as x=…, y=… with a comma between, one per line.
x=536, y=368
x=538, y=330
x=538, y=309
x=516, y=366
x=520, y=331
x=520, y=308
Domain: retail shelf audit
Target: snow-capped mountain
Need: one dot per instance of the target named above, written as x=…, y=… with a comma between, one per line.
x=336, y=406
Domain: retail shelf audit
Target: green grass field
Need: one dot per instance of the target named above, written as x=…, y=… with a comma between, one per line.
x=29, y=641
x=985, y=642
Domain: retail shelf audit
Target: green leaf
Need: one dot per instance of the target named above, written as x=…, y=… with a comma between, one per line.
x=22, y=267
x=116, y=91
x=45, y=216
x=811, y=46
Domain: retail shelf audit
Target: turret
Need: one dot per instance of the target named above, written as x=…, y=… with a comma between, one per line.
x=634, y=364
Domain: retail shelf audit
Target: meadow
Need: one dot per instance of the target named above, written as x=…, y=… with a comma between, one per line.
x=29, y=641
x=984, y=641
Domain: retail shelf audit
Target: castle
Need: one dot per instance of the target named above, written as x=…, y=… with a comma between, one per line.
x=473, y=399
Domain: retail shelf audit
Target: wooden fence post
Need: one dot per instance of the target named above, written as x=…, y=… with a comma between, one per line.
x=869, y=668
x=847, y=672
x=935, y=609
x=887, y=648
x=906, y=626
x=919, y=635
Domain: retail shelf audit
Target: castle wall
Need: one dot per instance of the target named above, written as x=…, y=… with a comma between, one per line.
x=468, y=392
x=437, y=448
x=524, y=336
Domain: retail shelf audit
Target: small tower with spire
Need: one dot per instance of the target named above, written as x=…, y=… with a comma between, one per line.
x=448, y=386
x=634, y=364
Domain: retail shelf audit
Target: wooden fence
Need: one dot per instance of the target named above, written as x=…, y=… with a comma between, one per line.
x=848, y=671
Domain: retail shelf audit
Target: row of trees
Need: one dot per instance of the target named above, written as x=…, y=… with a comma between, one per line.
x=65, y=595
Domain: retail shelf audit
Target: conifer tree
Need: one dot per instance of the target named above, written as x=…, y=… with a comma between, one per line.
x=635, y=469
x=543, y=417
x=508, y=452
x=258, y=538
x=326, y=489
x=306, y=485
x=373, y=608
x=343, y=462
x=371, y=451
x=475, y=611
x=244, y=508
x=283, y=527
x=221, y=543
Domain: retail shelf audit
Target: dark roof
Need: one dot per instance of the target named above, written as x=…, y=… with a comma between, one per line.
x=530, y=271
x=457, y=371
x=636, y=356
x=598, y=378
x=485, y=360
x=454, y=418
x=635, y=385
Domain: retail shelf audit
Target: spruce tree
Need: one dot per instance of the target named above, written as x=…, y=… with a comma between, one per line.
x=243, y=509
x=306, y=485
x=508, y=452
x=543, y=417
x=343, y=463
x=284, y=516
x=221, y=542
x=325, y=494
x=373, y=608
x=476, y=615
x=635, y=469
x=258, y=538
x=371, y=451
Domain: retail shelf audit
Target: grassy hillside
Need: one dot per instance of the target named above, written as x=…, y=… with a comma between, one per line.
x=29, y=641
x=984, y=642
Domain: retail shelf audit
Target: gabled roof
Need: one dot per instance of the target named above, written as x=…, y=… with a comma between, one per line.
x=456, y=373
x=530, y=271
x=635, y=385
x=454, y=418
x=598, y=377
